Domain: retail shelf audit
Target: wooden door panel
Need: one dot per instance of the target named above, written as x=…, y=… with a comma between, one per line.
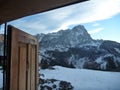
x=22, y=66
x=23, y=73
x=13, y=58
x=29, y=68
x=32, y=67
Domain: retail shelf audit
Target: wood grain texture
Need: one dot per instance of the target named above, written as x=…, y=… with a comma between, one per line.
x=32, y=67
x=22, y=66
x=28, y=68
x=14, y=61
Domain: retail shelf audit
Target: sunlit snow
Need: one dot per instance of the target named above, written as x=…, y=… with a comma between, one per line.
x=83, y=79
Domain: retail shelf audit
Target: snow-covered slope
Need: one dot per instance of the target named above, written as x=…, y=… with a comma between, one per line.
x=83, y=79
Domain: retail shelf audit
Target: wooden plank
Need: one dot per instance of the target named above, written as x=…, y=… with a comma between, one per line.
x=33, y=67
x=27, y=38
x=28, y=68
x=36, y=68
x=14, y=9
x=14, y=61
x=23, y=36
x=22, y=66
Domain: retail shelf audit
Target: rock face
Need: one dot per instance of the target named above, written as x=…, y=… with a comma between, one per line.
x=53, y=84
x=65, y=39
x=75, y=48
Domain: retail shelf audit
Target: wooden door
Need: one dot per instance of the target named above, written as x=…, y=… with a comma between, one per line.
x=22, y=60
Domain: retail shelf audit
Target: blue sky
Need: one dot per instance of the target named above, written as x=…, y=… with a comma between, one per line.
x=100, y=17
x=108, y=29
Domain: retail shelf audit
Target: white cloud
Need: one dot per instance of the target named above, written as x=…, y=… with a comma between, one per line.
x=95, y=30
x=96, y=24
x=91, y=11
x=30, y=27
x=86, y=12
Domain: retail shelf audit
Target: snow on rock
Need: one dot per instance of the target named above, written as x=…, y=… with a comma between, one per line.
x=64, y=39
x=103, y=66
x=99, y=60
x=82, y=79
x=53, y=84
x=117, y=50
x=79, y=63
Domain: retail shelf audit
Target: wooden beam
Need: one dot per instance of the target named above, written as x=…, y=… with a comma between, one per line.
x=14, y=9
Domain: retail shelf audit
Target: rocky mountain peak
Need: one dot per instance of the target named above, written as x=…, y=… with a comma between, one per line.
x=79, y=27
x=80, y=31
x=66, y=38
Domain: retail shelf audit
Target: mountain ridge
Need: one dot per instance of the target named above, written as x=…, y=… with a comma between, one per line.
x=76, y=49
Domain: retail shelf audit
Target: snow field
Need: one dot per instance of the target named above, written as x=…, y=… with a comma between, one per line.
x=83, y=79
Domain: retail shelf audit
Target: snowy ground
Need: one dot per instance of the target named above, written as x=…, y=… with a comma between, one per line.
x=1, y=78
x=83, y=79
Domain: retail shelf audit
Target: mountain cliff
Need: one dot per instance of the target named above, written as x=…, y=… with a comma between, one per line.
x=75, y=48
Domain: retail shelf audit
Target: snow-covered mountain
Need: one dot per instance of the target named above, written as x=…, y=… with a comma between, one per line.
x=76, y=49
x=65, y=39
